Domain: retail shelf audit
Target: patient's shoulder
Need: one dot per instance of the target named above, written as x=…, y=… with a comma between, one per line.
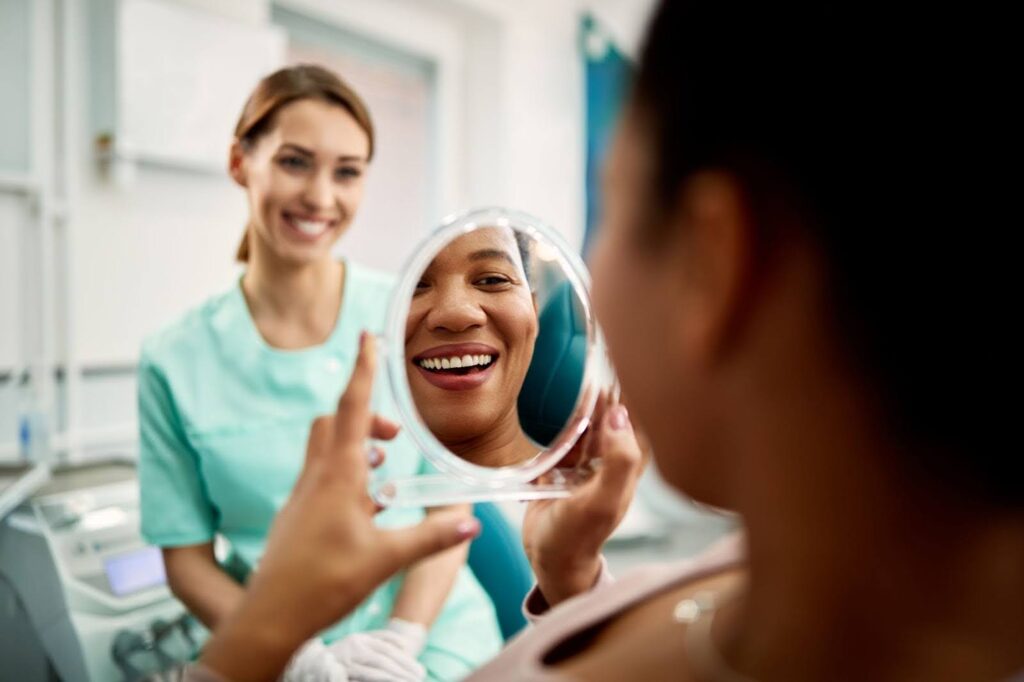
x=723, y=554
x=577, y=623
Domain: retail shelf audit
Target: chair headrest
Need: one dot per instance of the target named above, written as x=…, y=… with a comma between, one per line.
x=553, y=382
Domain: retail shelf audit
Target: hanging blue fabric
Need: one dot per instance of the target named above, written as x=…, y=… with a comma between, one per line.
x=607, y=74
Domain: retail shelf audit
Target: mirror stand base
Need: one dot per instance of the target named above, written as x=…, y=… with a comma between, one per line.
x=438, y=490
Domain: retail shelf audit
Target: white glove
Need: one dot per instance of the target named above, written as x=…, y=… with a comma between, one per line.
x=381, y=655
x=314, y=663
x=410, y=637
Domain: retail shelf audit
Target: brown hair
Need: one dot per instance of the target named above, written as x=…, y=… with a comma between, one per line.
x=287, y=85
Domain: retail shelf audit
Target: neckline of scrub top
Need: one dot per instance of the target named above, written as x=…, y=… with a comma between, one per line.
x=341, y=323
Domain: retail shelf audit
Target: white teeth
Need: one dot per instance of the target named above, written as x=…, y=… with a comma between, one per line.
x=311, y=227
x=456, y=362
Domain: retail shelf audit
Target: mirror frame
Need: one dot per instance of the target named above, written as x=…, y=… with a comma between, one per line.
x=394, y=344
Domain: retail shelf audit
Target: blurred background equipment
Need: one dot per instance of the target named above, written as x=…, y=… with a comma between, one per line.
x=82, y=597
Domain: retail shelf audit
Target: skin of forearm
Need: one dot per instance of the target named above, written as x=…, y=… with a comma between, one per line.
x=427, y=584
x=196, y=579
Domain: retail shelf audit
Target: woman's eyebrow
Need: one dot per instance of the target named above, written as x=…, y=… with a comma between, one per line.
x=309, y=152
x=487, y=254
x=297, y=148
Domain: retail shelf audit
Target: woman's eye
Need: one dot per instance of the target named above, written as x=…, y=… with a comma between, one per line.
x=421, y=286
x=293, y=163
x=347, y=173
x=493, y=281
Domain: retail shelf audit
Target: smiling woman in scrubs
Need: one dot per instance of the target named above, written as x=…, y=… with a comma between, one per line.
x=227, y=393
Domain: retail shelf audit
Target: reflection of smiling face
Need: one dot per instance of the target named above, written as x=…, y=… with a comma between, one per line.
x=469, y=340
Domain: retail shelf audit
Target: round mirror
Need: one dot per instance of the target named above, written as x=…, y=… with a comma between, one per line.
x=493, y=354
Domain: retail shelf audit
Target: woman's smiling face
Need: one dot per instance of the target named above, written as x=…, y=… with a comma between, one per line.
x=304, y=178
x=469, y=338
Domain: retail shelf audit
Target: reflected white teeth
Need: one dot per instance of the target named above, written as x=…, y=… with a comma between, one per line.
x=456, y=362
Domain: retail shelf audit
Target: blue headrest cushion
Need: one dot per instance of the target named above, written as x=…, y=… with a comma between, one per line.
x=553, y=382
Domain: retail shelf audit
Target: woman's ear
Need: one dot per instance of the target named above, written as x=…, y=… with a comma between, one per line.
x=236, y=164
x=714, y=258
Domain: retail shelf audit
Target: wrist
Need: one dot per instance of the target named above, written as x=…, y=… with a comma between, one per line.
x=563, y=578
x=251, y=645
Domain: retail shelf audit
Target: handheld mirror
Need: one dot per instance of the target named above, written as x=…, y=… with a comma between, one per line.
x=494, y=358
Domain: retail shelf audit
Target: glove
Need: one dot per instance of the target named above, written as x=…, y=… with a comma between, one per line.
x=379, y=656
x=409, y=637
x=314, y=663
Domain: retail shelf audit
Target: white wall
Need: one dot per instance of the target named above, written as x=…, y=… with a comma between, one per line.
x=13, y=215
x=148, y=252
x=539, y=90
x=15, y=29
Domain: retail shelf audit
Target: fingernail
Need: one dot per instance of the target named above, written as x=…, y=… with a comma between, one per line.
x=618, y=418
x=468, y=528
x=362, y=338
x=375, y=456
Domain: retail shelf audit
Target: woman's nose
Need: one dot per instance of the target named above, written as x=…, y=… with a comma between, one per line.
x=455, y=311
x=318, y=193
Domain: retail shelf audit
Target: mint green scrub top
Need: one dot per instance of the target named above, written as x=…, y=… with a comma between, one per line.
x=224, y=419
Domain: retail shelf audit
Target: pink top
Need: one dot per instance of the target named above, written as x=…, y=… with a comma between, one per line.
x=523, y=658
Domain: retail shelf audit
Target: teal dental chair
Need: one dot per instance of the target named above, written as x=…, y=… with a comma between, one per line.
x=497, y=560
x=553, y=382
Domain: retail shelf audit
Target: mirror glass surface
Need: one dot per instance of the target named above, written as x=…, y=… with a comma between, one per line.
x=496, y=343
x=494, y=359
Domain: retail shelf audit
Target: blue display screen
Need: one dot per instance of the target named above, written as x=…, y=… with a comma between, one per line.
x=135, y=571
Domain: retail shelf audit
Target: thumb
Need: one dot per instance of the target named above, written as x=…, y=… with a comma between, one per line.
x=617, y=446
x=436, y=533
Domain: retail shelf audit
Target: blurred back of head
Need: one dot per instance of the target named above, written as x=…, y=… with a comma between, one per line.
x=879, y=132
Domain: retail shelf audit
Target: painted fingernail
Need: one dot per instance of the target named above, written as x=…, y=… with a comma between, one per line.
x=618, y=418
x=468, y=528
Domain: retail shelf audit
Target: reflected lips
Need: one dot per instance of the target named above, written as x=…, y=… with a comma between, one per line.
x=451, y=381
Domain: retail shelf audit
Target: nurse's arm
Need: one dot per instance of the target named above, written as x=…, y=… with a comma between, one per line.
x=427, y=583
x=198, y=581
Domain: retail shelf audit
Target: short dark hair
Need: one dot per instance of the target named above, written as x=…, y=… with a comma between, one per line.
x=872, y=128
